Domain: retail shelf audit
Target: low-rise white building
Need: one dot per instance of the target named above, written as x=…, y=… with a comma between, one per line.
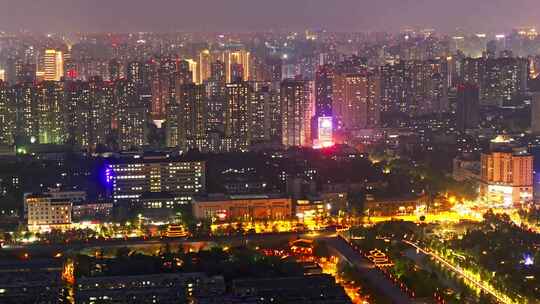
x=45, y=212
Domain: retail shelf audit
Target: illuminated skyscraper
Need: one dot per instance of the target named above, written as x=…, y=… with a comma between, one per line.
x=186, y=122
x=7, y=116
x=53, y=65
x=204, y=64
x=25, y=104
x=192, y=104
x=435, y=94
x=356, y=103
x=78, y=113
x=51, y=109
x=161, y=96
x=295, y=104
x=236, y=115
x=428, y=87
x=163, y=87
x=415, y=87
x=275, y=113
x=216, y=96
x=395, y=88
x=259, y=111
x=132, y=118
x=193, y=70
x=323, y=91
x=101, y=110
x=233, y=59
x=505, y=79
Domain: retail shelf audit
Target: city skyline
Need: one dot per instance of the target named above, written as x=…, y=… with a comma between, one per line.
x=236, y=151
x=243, y=15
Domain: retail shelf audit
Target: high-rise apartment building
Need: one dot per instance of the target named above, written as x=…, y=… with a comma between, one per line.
x=140, y=73
x=260, y=102
x=323, y=91
x=236, y=116
x=132, y=116
x=24, y=103
x=467, y=110
x=161, y=96
x=78, y=113
x=394, y=88
x=101, y=110
x=7, y=116
x=296, y=112
x=499, y=80
x=415, y=87
x=215, y=94
x=356, y=102
x=186, y=123
x=51, y=113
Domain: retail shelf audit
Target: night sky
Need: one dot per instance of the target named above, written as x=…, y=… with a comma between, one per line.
x=247, y=15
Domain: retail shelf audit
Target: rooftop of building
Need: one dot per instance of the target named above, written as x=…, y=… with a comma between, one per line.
x=318, y=288
x=149, y=277
x=216, y=197
x=154, y=157
x=51, y=198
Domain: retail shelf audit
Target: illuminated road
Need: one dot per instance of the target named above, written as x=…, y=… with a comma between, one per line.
x=376, y=278
x=466, y=276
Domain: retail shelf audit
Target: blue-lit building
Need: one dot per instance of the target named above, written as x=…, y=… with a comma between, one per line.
x=132, y=177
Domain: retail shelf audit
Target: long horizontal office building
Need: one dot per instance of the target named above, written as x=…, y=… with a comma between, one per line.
x=132, y=177
x=257, y=207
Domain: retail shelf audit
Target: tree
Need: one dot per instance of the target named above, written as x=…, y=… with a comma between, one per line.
x=83, y=265
x=484, y=298
x=321, y=249
x=122, y=252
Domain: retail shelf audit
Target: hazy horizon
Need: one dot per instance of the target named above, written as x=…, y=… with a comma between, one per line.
x=255, y=15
